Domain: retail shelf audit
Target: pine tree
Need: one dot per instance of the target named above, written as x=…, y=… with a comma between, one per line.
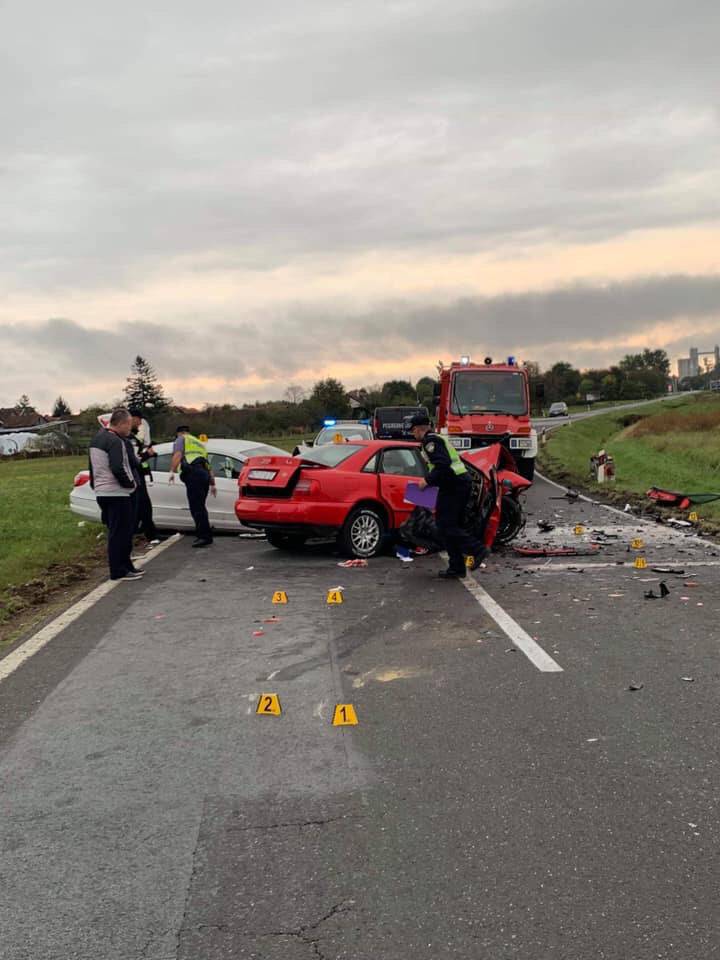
x=143, y=390
x=23, y=405
x=61, y=408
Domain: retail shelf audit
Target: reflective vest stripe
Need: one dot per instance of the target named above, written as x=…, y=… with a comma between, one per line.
x=456, y=464
x=194, y=449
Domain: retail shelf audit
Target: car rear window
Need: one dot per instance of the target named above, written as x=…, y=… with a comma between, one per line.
x=331, y=454
x=361, y=431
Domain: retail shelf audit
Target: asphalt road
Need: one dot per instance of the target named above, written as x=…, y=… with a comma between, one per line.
x=481, y=808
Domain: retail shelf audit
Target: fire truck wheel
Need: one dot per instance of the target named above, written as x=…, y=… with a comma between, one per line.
x=526, y=467
x=512, y=520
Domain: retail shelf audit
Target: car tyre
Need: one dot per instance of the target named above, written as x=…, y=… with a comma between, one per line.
x=512, y=520
x=362, y=533
x=526, y=467
x=285, y=541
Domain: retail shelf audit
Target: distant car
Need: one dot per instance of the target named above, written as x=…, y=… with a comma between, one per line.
x=170, y=510
x=559, y=409
x=391, y=423
x=332, y=429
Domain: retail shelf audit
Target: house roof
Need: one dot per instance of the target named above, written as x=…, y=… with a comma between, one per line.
x=9, y=417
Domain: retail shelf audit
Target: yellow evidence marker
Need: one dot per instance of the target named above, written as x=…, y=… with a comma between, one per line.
x=334, y=596
x=640, y=563
x=269, y=705
x=637, y=544
x=344, y=715
x=579, y=530
x=693, y=518
x=203, y=438
x=469, y=561
x=279, y=597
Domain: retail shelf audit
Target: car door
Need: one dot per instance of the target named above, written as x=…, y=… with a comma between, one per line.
x=398, y=467
x=221, y=509
x=169, y=501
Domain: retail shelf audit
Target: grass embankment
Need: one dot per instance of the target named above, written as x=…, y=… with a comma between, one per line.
x=42, y=548
x=674, y=444
x=285, y=443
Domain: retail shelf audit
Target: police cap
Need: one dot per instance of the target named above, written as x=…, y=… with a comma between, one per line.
x=419, y=420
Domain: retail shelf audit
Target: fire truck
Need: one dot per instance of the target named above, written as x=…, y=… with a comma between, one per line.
x=483, y=403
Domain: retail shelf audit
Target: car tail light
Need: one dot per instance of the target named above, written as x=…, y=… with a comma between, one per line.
x=81, y=478
x=307, y=486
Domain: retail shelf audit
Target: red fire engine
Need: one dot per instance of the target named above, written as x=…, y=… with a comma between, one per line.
x=484, y=403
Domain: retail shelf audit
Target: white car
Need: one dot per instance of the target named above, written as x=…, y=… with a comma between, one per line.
x=347, y=429
x=170, y=508
x=558, y=409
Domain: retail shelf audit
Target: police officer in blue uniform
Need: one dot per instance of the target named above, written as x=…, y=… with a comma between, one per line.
x=448, y=473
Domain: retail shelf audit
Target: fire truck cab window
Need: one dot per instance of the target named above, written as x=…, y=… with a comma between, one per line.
x=481, y=391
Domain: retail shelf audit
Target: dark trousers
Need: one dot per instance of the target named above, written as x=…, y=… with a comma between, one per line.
x=145, y=523
x=118, y=516
x=449, y=516
x=197, y=487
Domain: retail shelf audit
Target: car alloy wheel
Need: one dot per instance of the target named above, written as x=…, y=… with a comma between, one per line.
x=363, y=533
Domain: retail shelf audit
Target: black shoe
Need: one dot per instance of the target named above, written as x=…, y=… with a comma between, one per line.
x=452, y=575
x=202, y=543
x=140, y=573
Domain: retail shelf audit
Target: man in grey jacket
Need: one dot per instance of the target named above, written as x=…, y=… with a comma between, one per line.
x=111, y=478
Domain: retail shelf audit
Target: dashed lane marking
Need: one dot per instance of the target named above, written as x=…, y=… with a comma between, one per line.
x=522, y=640
x=12, y=661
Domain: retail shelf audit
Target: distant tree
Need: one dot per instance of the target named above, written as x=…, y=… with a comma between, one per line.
x=424, y=390
x=23, y=405
x=143, y=390
x=328, y=399
x=61, y=408
x=632, y=361
x=657, y=360
x=398, y=393
x=561, y=382
x=294, y=393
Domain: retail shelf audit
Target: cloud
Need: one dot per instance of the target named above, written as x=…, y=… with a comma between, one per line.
x=255, y=191
x=230, y=361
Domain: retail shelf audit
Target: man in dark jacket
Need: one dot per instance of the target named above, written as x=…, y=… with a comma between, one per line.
x=111, y=478
x=140, y=440
x=448, y=473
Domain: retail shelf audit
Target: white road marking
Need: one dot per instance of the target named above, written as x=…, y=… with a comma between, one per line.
x=318, y=709
x=271, y=676
x=522, y=640
x=12, y=661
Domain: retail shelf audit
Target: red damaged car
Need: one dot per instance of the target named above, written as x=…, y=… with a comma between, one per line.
x=354, y=491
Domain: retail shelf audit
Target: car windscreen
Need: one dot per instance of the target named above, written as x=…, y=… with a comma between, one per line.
x=485, y=391
x=332, y=454
x=328, y=435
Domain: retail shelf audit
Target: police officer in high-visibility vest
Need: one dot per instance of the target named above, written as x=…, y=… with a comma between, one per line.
x=448, y=473
x=190, y=456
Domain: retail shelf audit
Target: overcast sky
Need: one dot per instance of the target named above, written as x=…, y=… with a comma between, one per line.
x=256, y=194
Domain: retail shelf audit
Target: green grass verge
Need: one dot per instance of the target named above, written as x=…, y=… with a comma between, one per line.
x=37, y=529
x=672, y=447
x=285, y=443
